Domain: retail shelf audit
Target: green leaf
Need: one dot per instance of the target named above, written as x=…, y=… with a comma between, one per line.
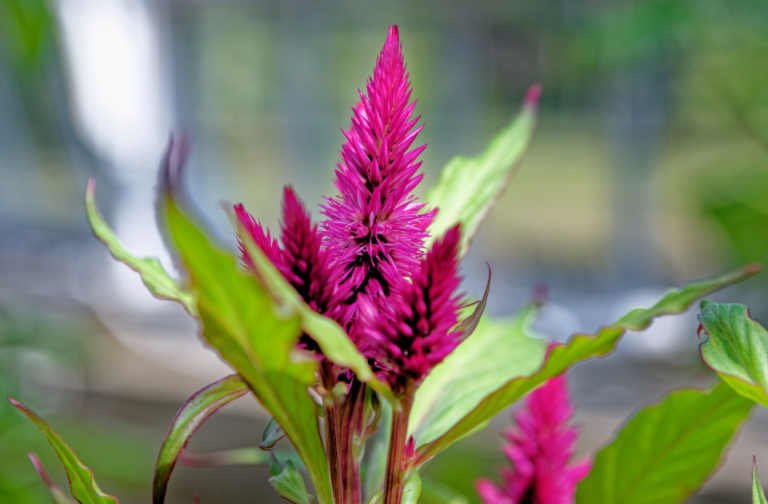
x=272, y=434
x=289, y=485
x=667, y=451
x=758, y=496
x=240, y=320
x=152, y=273
x=412, y=489
x=330, y=337
x=81, y=482
x=204, y=403
x=737, y=348
x=580, y=347
x=467, y=188
x=494, y=354
x=58, y=495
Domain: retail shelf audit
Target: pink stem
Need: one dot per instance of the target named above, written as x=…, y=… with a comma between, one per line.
x=395, y=476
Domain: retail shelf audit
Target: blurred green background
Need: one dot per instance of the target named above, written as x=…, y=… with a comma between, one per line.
x=649, y=168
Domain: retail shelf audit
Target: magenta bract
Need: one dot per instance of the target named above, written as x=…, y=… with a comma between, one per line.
x=375, y=227
x=540, y=449
x=367, y=255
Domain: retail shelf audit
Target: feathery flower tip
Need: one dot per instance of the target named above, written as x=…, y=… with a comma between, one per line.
x=540, y=449
x=302, y=260
x=255, y=231
x=375, y=227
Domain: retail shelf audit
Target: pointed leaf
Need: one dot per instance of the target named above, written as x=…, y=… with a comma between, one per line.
x=580, y=347
x=239, y=320
x=58, y=495
x=152, y=273
x=330, y=337
x=737, y=348
x=494, y=354
x=468, y=188
x=290, y=485
x=758, y=495
x=667, y=451
x=412, y=489
x=204, y=403
x=469, y=324
x=376, y=497
x=272, y=434
x=81, y=482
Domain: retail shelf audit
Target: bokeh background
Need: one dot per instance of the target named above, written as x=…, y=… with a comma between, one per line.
x=649, y=168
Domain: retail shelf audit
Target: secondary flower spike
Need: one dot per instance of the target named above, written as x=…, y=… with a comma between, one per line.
x=375, y=227
x=418, y=335
x=302, y=260
x=540, y=449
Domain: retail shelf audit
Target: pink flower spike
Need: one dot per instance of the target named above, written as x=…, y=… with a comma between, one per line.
x=375, y=228
x=540, y=449
x=305, y=264
x=263, y=240
x=418, y=335
x=302, y=260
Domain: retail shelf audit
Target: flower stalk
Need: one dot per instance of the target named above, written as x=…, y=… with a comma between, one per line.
x=398, y=460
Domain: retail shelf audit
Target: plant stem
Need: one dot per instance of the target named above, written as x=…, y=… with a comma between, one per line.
x=331, y=435
x=395, y=475
x=352, y=427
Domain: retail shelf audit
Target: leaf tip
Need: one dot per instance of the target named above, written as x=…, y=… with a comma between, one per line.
x=752, y=268
x=90, y=188
x=17, y=404
x=532, y=96
x=174, y=161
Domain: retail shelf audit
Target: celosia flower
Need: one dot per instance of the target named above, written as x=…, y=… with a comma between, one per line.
x=375, y=228
x=372, y=241
x=302, y=260
x=418, y=334
x=540, y=449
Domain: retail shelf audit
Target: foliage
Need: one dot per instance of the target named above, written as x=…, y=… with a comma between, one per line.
x=737, y=348
x=667, y=451
x=336, y=329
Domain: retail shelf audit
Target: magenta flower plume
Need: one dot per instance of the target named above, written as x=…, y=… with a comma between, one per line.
x=418, y=336
x=375, y=227
x=302, y=260
x=540, y=449
x=262, y=239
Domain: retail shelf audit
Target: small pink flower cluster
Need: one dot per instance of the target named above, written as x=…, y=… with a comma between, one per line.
x=540, y=449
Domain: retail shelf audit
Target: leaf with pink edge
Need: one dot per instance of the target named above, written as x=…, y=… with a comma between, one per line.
x=244, y=324
x=737, y=348
x=58, y=495
x=272, y=434
x=758, y=495
x=467, y=188
x=204, y=403
x=579, y=348
x=289, y=485
x=159, y=283
x=666, y=451
x=497, y=352
x=81, y=481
